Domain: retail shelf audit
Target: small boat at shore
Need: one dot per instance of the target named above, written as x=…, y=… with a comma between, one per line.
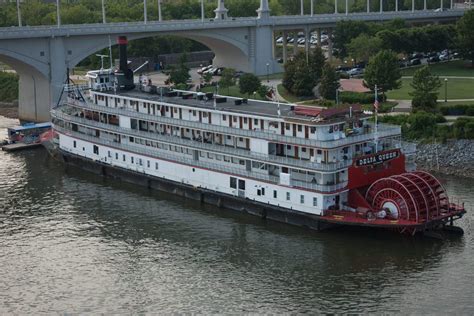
x=25, y=136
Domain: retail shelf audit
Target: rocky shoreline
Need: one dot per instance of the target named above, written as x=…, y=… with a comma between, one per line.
x=455, y=157
x=9, y=109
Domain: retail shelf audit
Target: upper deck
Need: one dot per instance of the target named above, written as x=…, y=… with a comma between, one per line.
x=256, y=108
x=322, y=128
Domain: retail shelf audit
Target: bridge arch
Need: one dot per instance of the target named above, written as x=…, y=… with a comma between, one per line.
x=35, y=90
x=230, y=48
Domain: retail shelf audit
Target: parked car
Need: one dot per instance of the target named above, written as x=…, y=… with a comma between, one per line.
x=342, y=68
x=355, y=72
x=434, y=59
x=415, y=61
x=204, y=69
x=444, y=56
x=417, y=56
x=279, y=40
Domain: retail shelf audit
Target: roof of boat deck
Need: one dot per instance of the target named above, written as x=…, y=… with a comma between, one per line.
x=253, y=107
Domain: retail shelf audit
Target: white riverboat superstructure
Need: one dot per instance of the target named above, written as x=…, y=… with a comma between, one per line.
x=294, y=158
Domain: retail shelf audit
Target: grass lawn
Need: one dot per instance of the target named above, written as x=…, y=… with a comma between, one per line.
x=457, y=89
x=271, y=77
x=459, y=68
x=232, y=92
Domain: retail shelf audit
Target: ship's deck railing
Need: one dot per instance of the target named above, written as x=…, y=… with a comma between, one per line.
x=176, y=140
x=384, y=130
x=151, y=152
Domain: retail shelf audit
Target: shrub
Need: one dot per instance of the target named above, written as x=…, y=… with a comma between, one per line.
x=358, y=97
x=470, y=111
x=458, y=109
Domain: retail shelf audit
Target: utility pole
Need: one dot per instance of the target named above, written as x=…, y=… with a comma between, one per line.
x=18, y=12
x=202, y=10
x=58, y=12
x=302, y=7
x=145, y=18
x=160, y=18
x=312, y=7
x=103, y=12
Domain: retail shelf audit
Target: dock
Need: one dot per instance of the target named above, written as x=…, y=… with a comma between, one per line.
x=19, y=146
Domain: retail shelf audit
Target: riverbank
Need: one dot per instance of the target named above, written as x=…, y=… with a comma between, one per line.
x=9, y=109
x=455, y=157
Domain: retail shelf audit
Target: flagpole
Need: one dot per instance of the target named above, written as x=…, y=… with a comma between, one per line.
x=376, y=107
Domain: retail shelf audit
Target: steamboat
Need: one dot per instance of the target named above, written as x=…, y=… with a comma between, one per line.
x=300, y=165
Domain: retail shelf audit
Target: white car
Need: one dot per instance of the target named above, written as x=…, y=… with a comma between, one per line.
x=444, y=56
x=355, y=72
x=279, y=40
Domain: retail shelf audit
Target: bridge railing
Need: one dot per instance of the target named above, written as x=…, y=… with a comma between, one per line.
x=191, y=24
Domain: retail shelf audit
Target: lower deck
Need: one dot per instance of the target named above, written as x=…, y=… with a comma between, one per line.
x=326, y=219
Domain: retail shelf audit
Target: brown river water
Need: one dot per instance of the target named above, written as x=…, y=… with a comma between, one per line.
x=72, y=242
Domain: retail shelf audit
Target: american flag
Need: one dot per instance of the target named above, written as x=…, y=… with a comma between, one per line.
x=376, y=104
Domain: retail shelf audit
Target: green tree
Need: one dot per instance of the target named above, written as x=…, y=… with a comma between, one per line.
x=345, y=31
x=465, y=40
x=8, y=87
x=383, y=71
x=262, y=91
x=227, y=79
x=303, y=73
x=364, y=46
x=329, y=82
x=207, y=77
x=249, y=83
x=180, y=74
x=425, y=90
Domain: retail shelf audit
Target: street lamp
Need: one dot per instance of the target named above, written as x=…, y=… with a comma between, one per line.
x=268, y=72
x=445, y=90
x=18, y=11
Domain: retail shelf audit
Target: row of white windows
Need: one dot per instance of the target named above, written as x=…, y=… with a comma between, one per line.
x=188, y=151
x=240, y=184
x=288, y=196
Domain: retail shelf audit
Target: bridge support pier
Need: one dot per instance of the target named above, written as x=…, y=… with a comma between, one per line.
x=285, y=47
x=264, y=51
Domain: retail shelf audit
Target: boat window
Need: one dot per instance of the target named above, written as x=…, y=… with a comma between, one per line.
x=156, y=166
x=288, y=196
x=300, y=128
x=315, y=201
x=96, y=150
x=302, y=199
x=263, y=191
x=233, y=183
x=224, y=117
x=242, y=185
x=275, y=194
x=74, y=144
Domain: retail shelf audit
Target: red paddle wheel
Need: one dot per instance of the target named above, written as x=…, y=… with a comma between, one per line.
x=415, y=196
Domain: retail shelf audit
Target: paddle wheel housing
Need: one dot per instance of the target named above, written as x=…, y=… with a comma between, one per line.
x=416, y=196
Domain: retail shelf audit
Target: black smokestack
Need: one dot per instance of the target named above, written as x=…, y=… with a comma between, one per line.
x=124, y=74
x=122, y=41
